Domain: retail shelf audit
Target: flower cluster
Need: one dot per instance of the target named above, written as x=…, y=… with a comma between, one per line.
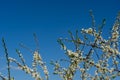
x=37, y=59
x=82, y=58
x=115, y=32
x=27, y=69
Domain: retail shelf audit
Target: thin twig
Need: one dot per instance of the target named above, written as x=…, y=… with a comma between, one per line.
x=21, y=57
x=7, y=58
x=36, y=41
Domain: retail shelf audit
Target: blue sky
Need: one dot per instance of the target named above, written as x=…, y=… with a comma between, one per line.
x=49, y=19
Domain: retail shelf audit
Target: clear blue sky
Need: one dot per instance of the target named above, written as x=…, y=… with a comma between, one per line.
x=49, y=19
